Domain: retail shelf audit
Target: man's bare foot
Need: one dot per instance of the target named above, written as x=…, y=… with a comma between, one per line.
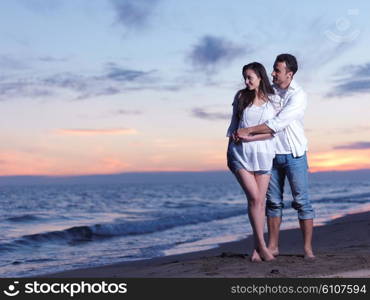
x=266, y=254
x=274, y=251
x=255, y=256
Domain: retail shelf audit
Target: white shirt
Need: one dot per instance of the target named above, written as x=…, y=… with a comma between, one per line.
x=256, y=155
x=281, y=141
x=289, y=121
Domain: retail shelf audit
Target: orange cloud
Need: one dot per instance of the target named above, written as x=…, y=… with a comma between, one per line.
x=23, y=163
x=163, y=155
x=339, y=160
x=90, y=132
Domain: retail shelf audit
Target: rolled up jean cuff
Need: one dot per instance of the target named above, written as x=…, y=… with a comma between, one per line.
x=274, y=212
x=304, y=215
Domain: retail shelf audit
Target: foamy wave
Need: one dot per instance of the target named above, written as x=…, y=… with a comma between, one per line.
x=120, y=228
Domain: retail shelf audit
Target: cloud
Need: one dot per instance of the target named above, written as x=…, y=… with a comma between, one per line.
x=358, y=70
x=18, y=162
x=117, y=73
x=350, y=88
x=340, y=160
x=356, y=80
x=313, y=58
x=17, y=64
x=48, y=58
x=8, y=62
x=212, y=51
x=113, y=80
x=202, y=114
x=128, y=112
x=304, y=40
x=66, y=80
x=92, y=132
x=134, y=14
x=22, y=88
x=354, y=146
x=347, y=130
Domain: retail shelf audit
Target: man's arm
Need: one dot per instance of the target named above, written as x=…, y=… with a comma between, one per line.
x=257, y=137
x=293, y=110
x=245, y=133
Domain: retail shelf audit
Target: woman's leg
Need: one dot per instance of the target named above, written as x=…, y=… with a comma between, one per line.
x=262, y=184
x=255, y=257
x=255, y=189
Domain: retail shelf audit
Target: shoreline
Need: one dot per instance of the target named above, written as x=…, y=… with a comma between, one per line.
x=342, y=249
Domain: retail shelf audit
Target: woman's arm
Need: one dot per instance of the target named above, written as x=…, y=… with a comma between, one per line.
x=257, y=137
x=230, y=141
x=234, y=119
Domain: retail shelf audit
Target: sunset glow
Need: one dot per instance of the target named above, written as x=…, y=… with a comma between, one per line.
x=339, y=160
x=90, y=132
x=92, y=87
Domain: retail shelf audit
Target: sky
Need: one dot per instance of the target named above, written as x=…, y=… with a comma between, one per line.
x=112, y=86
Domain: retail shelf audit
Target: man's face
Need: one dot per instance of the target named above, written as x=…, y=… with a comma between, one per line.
x=281, y=76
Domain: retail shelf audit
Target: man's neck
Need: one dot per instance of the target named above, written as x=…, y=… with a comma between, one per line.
x=285, y=85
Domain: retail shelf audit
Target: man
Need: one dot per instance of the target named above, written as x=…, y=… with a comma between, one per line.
x=290, y=161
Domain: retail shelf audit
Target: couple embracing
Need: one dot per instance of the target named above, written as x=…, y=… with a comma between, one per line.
x=267, y=145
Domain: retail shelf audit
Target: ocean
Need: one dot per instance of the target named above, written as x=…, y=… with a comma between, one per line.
x=56, y=224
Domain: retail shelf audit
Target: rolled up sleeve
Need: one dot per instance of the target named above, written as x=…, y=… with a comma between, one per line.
x=234, y=119
x=293, y=110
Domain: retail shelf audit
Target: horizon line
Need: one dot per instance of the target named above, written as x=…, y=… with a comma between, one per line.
x=156, y=172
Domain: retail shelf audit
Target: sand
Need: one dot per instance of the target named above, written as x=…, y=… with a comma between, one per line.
x=342, y=249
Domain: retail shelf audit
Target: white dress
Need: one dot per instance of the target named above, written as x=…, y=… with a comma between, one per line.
x=256, y=155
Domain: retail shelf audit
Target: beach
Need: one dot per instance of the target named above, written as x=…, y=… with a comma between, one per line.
x=62, y=226
x=342, y=249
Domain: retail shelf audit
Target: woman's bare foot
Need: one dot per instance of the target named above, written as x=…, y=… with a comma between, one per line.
x=308, y=254
x=255, y=257
x=265, y=254
x=274, y=251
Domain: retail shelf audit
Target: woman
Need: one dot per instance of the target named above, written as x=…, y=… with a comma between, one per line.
x=251, y=159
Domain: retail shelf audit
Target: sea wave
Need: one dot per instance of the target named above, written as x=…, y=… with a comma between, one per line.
x=120, y=227
x=346, y=198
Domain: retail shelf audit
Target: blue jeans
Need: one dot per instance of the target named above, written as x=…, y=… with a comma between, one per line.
x=296, y=170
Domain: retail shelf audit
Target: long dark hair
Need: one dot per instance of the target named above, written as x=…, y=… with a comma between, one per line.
x=245, y=96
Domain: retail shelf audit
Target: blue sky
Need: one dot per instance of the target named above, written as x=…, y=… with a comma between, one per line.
x=109, y=86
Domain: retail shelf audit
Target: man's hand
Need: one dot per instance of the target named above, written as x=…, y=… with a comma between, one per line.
x=249, y=138
x=243, y=133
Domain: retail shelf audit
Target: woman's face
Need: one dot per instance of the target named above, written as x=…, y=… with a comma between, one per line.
x=252, y=81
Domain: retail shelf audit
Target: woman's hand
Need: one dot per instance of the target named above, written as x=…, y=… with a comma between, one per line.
x=245, y=139
x=235, y=137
